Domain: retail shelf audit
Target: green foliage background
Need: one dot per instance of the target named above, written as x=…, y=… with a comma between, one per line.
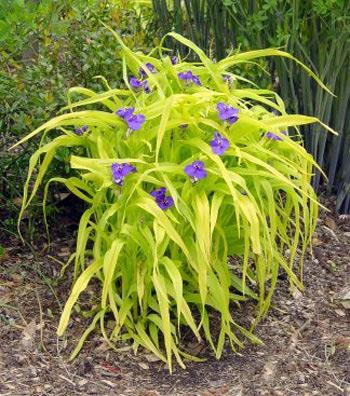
x=315, y=31
x=45, y=48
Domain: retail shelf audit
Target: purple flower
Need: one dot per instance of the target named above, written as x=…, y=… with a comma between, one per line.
x=138, y=85
x=227, y=79
x=272, y=136
x=119, y=171
x=82, y=130
x=196, y=80
x=219, y=144
x=174, y=60
x=134, y=121
x=146, y=87
x=189, y=78
x=158, y=193
x=150, y=67
x=125, y=113
x=185, y=76
x=163, y=201
x=135, y=83
x=196, y=171
x=183, y=126
x=227, y=113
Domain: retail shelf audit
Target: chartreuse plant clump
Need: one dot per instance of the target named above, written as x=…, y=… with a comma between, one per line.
x=180, y=171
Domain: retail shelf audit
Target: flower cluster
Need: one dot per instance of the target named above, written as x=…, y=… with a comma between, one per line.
x=134, y=121
x=163, y=201
x=119, y=171
x=139, y=85
x=196, y=170
x=189, y=78
x=82, y=130
x=219, y=144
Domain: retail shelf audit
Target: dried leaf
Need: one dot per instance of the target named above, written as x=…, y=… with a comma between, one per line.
x=296, y=293
x=109, y=383
x=316, y=242
x=62, y=196
x=343, y=342
x=29, y=335
x=17, y=201
x=269, y=371
x=330, y=223
x=64, y=252
x=83, y=382
x=151, y=358
x=340, y=312
x=111, y=369
x=344, y=298
x=143, y=365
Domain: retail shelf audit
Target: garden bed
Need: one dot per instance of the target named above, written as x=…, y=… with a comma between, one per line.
x=306, y=336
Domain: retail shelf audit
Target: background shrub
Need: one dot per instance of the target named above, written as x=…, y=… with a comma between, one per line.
x=45, y=48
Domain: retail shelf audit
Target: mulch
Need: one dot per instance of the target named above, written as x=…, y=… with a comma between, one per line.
x=306, y=336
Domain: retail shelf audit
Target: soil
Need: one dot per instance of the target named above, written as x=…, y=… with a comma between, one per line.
x=306, y=336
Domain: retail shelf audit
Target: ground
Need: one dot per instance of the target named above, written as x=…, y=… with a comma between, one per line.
x=306, y=336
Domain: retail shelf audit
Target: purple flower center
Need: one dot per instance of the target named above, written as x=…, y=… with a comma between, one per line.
x=119, y=171
x=174, y=60
x=227, y=113
x=150, y=68
x=273, y=136
x=219, y=144
x=163, y=201
x=196, y=171
x=134, y=121
x=189, y=78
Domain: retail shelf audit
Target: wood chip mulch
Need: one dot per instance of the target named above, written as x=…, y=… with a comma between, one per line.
x=306, y=335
